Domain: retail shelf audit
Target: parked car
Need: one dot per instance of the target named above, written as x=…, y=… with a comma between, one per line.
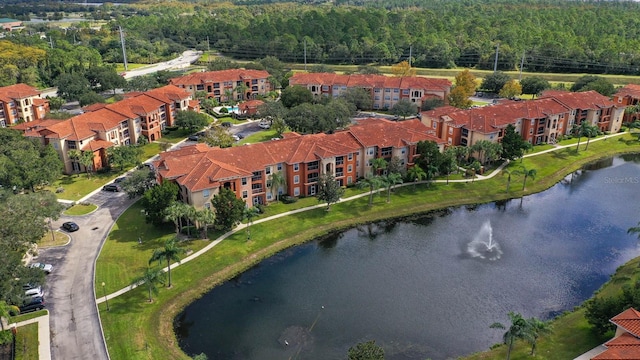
x=119, y=180
x=240, y=136
x=111, y=187
x=70, y=226
x=235, y=137
x=264, y=124
x=33, y=304
x=226, y=124
x=193, y=138
x=34, y=292
x=47, y=268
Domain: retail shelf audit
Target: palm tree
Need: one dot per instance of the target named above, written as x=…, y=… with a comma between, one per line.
x=205, y=217
x=74, y=155
x=390, y=180
x=378, y=164
x=461, y=153
x=371, y=182
x=150, y=278
x=528, y=173
x=508, y=172
x=415, y=173
x=591, y=131
x=86, y=159
x=635, y=230
x=190, y=214
x=240, y=89
x=481, y=148
x=173, y=213
x=250, y=213
x=519, y=329
x=170, y=252
x=580, y=131
x=537, y=327
x=277, y=181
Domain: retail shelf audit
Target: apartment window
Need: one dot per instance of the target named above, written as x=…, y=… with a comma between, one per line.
x=296, y=167
x=296, y=191
x=205, y=193
x=325, y=88
x=312, y=166
x=370, y=151
x=254, y=82
x=245, y=194
x=403, y=151
x=349, y=180
x=312, y=177
x=257, y=175
x=267, y=170
x=339, y=171
x=386, y=152
x=377, y=97
x=376, y=90
x=405, y=92
x=244, y=181
x=207, y=205
x=269, y=196
x=396, y=90
x=216, y=85
x=339, y=160
x=280, y=167
x=350, y=157
x=387, y=90
x=296, y=179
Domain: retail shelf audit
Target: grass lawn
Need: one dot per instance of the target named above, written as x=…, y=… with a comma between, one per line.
x=120, y=67
x=80, y=209
x=78, y=185
x=176, y=136
x=120, y=259
x=59, y=239
x=27, y=342
x=260, y=136
x=28, y=316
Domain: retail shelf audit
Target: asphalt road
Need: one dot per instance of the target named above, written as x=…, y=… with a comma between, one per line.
x=75, y=327
x=183, y=61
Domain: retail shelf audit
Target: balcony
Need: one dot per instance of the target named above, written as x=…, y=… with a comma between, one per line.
x=257, y=190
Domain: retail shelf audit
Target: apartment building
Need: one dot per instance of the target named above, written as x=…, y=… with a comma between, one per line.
x=10, y=24
x=106, y=125
x=226, y=85
x=538, y=121
x=629, y=96
x=385, y=91
x=21, y=103
x=200, y=171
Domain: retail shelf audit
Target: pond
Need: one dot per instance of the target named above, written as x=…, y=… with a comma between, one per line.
x=427, y=287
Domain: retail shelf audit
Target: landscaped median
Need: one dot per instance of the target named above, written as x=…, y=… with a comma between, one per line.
x=137, y=329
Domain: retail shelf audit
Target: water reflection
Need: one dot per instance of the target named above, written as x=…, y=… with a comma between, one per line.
x=413, y=285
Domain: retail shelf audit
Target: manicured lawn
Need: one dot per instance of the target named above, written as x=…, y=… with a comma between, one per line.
x=120, y=67
x=58, y=239
x=260, y=136
x=120, y=260
x=27, y=342
x=176, y=136
x=80, y=209
x=78, y=185
x=28, y=316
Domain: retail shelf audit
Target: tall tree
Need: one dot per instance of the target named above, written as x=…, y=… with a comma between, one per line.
x=518, y=330
x=191, y=120
x=481, y=147
x=404, y=108
x=494, y=82
x=157, y=199
x=415, y=174
x=510, y=89
x=448, y=163
x=534, y=85
x=150, y=279
x=205, y=218
x=72, y=86
x=174, y=213
x=278, y=182
x=359, y=97
x=377, y=165
x=508, y=172
x=170, y=252
x=467, y=82
x=590, y=131
x=580, y=130
x=372, y=183
x=229, y=209
x=121, y=156
x=390, y=180
x=402, y=69
x=459, y=98
x=293, y=96
x=527, y=173
x=86, y=159
x=513, y=145
x=250, y=213
x=329, y=190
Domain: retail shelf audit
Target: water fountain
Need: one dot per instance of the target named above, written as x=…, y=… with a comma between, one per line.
x=483, y=246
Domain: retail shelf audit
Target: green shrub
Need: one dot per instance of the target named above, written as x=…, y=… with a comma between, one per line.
x=286, y=199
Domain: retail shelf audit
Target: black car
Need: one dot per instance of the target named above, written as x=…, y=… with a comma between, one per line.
x=111, y=187
x=240, y=136
x=119, y=180
x=193, y=138
x=33, y=304
x=226, y=124
x=70, y=226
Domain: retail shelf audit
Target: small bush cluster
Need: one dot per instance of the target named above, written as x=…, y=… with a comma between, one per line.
x=286, y=199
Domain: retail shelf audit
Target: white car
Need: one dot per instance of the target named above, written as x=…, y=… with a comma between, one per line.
x=47, y=268
x=264, y=124
x=34, y=292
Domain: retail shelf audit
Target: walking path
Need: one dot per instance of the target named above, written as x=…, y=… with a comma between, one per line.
x=277, y=216
x=44, y=343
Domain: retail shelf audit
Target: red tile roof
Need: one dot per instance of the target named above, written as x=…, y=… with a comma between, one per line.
x=580, y=100
x=371, y=81
x=219, y=76
x=631, y=90
x=627, y=345
x=199, y=166
x=17, y=91
x=137, y=106
x=168, y=94
x=250, y=104
x=98, y=144
x=628, y=320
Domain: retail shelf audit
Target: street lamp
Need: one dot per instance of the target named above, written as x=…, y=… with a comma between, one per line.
x=105, y=296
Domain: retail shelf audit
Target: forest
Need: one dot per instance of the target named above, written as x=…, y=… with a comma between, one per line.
x=599, y=37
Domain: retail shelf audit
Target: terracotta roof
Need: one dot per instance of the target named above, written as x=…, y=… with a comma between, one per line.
x=251, y=104
x=626, y=339
x=35, y=124
x=580, y=100
x=17, y=91
x=631, y=90
x=98, y=144
x=168, y=94
x=628, y=320
x=219, y=76
x=137, y=106
x=199, y=167
x=94, y=107
x=439, y=111
x=371, y=81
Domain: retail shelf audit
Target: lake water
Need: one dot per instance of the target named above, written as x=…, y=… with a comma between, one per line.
x=428, y=287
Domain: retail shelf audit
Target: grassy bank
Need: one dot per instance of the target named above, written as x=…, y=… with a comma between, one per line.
x=153, y=337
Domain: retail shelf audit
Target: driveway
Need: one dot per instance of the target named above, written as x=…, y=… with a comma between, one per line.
x=75, y=326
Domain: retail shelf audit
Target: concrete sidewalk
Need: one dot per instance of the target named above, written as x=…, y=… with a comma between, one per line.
x=44, y=341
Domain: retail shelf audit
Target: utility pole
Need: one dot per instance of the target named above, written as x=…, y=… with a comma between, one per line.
x=124, y=51
x=305, y=54
x=521, y=65
x=495, y=63
x=50, y=42
x=410, y=50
